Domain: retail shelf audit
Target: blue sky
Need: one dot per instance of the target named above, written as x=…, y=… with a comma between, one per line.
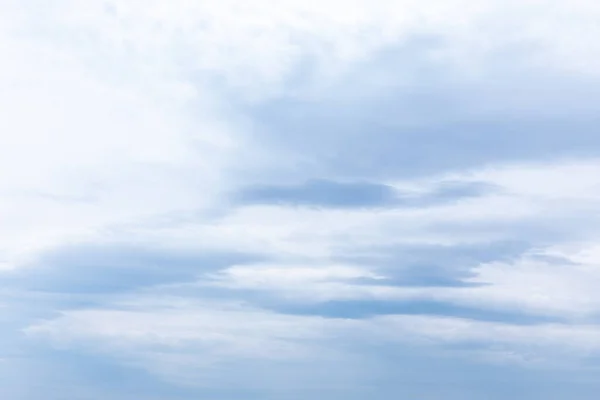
x=299, y=199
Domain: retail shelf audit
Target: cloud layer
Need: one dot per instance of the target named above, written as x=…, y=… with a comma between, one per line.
x=295, y=199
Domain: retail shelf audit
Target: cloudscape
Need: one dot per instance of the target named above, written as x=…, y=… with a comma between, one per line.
x=299, y=199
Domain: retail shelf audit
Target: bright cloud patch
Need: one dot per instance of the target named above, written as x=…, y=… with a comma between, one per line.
x=299, y=199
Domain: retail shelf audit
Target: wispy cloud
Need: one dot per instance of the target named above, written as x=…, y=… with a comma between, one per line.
x=296, y=198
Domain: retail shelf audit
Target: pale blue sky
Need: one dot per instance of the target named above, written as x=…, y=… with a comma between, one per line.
x=299, y=199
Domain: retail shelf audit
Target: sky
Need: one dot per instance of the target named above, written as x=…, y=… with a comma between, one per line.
x=299, y=199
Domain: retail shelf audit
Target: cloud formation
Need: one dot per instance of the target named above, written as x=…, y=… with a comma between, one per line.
x=249, y=200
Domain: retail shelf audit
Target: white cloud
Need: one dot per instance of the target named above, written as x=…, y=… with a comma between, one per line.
x=79, y=153
x=165, y=336
x=564, y=288
x=275, y=275
x=310, y=282
x=557, y=280
x=536, y=197
x=536, y=283
x=550, y=206
x=106, y=113
x=217, y=331
x=260, y=45
x=529, y=345
x=113, y=116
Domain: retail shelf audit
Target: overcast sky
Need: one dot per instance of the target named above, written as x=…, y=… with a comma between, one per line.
x=299, y=199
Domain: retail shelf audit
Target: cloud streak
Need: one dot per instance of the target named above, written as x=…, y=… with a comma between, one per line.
x=295, y=199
